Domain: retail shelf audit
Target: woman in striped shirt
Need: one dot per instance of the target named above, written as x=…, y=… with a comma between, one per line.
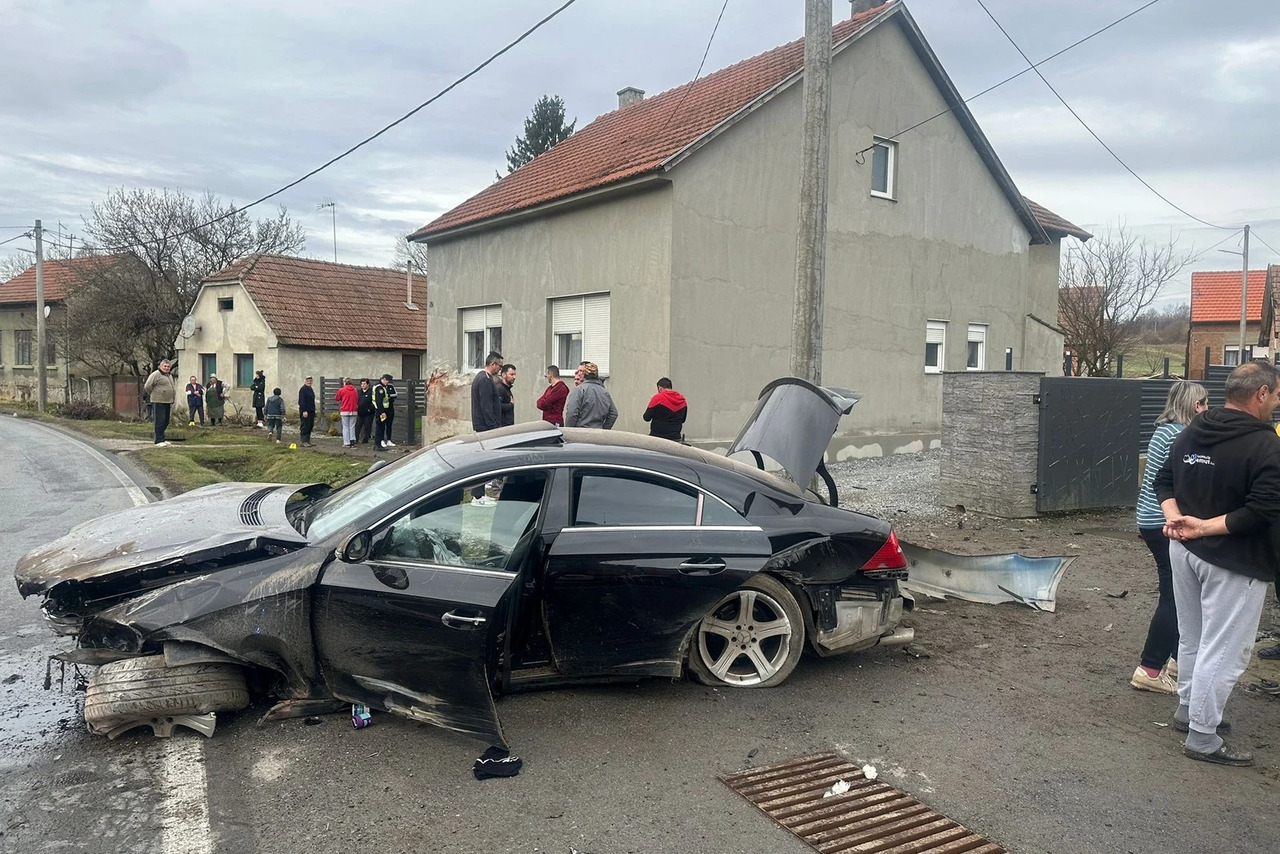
x=1158, y=670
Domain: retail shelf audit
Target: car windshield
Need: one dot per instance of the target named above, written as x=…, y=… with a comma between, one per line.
x=343, y=507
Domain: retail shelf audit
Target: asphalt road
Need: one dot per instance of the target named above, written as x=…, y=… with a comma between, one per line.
x=1018, y=724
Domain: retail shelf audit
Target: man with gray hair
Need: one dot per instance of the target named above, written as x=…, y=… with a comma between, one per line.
x=161, y=391
x=1219, y=490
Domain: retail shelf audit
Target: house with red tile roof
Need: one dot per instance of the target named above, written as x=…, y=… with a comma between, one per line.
x=1269, y=335
x=1215, y=319
x=297, y=317
x=18, y=329
x=659, y=240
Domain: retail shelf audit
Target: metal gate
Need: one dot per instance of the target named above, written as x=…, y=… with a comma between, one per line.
x=1089, y=443
x=411, y=405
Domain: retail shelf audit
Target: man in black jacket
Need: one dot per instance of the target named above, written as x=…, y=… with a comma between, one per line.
x=1220, y=493
x=502, y=383
x=306, y=411
x=384, y=409
x=485, y=411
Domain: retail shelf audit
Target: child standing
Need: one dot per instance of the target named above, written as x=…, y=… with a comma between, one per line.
x=275, y=415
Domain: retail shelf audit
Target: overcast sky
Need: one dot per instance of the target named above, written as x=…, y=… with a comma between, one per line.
x=242, y=97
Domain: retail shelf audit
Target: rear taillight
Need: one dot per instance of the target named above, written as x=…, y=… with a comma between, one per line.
x=888, y=559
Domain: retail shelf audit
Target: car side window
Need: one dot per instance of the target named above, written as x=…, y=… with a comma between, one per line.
x=716, y=512
x=479, y=525
x=614, y=499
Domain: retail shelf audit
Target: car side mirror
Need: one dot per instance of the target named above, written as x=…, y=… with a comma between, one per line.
x=356, y=548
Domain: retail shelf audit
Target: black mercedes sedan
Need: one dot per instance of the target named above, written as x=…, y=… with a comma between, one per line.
x=525, y=557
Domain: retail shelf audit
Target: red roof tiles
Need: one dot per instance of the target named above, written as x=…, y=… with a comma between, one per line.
x=1215, y=297
x=60, y=278
x=309, y=303
x=639, y=139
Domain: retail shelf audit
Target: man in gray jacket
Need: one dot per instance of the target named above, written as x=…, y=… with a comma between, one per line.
x=590, y=405
x=161, y=391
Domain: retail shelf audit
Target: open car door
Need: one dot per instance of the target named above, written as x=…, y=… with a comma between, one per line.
x=408, y=620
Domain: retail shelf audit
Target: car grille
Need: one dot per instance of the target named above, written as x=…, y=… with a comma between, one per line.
x=249, y=514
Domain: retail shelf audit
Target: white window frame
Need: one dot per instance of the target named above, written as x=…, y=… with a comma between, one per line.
x=1233, y=350
x=977, y=335
x=482, y=319
x=891, y=172
x=935, y=332
x=587, y=315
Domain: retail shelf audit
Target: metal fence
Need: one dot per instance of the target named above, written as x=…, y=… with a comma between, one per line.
x=411, y=406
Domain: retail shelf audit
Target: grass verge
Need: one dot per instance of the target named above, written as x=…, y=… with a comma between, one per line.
x=189, y=468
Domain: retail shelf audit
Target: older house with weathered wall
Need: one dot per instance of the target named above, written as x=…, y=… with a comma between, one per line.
x=660, y=241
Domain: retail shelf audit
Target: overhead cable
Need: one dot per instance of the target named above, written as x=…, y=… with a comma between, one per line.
x=689, y=85
x=446, y=90
x=1085, y=125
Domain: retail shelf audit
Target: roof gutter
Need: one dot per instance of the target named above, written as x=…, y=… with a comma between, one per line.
x=648, y=181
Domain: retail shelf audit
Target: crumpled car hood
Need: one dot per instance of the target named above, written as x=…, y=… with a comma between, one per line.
x=793, y=423
x=198, y=526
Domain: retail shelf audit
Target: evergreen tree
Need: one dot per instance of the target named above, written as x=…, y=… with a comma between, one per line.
x=544, y=128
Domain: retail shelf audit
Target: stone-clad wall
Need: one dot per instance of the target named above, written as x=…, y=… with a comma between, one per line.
x=990, y=433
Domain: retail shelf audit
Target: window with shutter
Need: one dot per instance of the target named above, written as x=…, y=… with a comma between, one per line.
x=580, y=331
x=481, y=334
x=935, y=341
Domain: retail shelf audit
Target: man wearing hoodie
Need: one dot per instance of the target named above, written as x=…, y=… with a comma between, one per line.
x=1220, y=493
x=666, y=412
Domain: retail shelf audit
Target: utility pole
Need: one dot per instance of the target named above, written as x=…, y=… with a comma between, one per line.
x=811, y=231
x=42, y=379
x=1244, y=295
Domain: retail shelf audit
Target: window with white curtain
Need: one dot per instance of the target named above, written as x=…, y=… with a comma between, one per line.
x=580, y=332
x=976, y=357
x=935, y=345
x=481, y=334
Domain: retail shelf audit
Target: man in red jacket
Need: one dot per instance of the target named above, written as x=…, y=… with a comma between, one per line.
x=348, y=403
x=552, y=401
x=666, y=412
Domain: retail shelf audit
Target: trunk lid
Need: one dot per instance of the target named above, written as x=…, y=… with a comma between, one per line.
x=793, y=423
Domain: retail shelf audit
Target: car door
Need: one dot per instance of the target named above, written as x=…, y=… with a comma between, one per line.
x=408, y=622
x=640, y=559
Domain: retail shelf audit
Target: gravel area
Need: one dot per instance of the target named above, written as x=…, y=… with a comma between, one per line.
x=901, y=488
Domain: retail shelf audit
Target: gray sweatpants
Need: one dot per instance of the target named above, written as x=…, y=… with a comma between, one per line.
x=1218, y=613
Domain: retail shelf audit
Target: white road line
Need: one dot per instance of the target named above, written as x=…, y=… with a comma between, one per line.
x=184, y=789
x=184, y=811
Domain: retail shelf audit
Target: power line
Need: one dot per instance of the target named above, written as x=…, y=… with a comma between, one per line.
x=15, y=237
x=1013, y=77
x=705, y=52
x=1085, y=125
x=1198, y=256
x=446, y=90
x=1255, y=236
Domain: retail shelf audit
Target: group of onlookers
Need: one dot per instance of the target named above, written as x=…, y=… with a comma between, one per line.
x=587, y=404
x=369, y=409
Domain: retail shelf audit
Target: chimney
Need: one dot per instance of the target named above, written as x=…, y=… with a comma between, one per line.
x=860, y=6
x=628, y=96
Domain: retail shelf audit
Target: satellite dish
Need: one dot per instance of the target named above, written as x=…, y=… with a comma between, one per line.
x=47, y=309
x=188, y=326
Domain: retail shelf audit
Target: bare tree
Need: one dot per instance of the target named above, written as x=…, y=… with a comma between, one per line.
x=1104, y=285
x=162, y=243
x=14, y=264
x=410, y=253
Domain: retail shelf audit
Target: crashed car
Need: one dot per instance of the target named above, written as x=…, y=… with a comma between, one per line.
x=519, y=558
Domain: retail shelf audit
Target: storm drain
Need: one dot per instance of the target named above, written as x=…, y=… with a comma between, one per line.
x=870, y=817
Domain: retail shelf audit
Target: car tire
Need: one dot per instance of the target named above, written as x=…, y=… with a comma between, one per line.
x=769, y=640
x=144, y=691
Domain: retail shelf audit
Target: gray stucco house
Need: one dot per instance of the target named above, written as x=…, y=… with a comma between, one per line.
x=660, y=241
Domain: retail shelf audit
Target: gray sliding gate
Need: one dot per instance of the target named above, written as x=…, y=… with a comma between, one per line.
x=1089, y=443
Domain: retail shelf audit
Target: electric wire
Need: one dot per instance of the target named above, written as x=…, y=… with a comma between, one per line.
x=15, y=237
x=689, y=85
x=1258, y=237
x=446, y=90
x=1013, y=77
x=1085, y=125
x=1199, y=255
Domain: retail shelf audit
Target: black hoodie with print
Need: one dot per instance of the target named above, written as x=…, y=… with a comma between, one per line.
x=1228, y=462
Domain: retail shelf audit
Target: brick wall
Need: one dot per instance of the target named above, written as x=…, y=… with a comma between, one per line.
x=1215, y=336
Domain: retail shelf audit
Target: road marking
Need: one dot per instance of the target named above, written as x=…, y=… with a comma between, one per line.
x=184, y=809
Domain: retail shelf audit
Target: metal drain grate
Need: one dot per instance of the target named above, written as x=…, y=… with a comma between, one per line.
x=870, y=818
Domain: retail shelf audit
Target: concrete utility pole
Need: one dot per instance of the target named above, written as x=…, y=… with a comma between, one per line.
x=811, y=232
x=1244, y=296
x=41, y=357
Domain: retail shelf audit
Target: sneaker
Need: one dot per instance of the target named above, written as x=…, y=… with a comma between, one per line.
x=162, y=444
x=1161, y=684
x=1171, y=668
x=1224, y=755
x=389, y=444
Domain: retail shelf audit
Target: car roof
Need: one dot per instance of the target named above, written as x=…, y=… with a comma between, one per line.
x=541, y=434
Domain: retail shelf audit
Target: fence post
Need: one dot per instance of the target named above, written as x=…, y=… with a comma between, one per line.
x=1166, y=367
x=320, y=413
x=1066, y=364
x=1120, y=367
x=1206, y=361
x=410, y=433
x=1008, y=358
